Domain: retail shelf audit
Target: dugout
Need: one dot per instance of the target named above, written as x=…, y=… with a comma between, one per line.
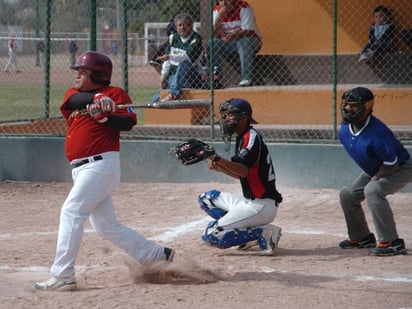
x=294, y=67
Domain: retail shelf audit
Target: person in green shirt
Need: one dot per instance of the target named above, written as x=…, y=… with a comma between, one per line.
x=181, y=66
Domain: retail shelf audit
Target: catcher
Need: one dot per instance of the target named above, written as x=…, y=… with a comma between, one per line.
x=239, y=219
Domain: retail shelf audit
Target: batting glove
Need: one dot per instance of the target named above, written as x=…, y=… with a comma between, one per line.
x=96, y=112
x=106, y=104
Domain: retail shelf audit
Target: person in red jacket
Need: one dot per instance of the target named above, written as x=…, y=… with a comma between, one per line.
x=92, y=147
x=236, y=35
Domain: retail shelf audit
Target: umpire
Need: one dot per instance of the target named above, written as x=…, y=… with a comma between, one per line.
x=387, y=168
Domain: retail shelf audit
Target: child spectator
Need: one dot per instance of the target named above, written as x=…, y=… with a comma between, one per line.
x=160, y=51
x=380, y=35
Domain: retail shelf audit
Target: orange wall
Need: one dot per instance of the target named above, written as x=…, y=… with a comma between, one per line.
x=309, y=106
x=301, y=27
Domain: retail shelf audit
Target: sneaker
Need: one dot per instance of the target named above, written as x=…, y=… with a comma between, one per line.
x=389, y=248
x=245, y=83
x=169, y=253
x=270, y=241
x=55, y=285
x=367, y=242
x=169, y=97
x=155, y=63
x=363, y=58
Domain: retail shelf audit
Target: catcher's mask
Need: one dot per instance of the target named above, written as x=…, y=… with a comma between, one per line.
x=100, y=65
x=237, y=108
x=360, y=95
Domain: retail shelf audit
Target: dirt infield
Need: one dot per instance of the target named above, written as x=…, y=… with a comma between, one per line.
x=308, y=271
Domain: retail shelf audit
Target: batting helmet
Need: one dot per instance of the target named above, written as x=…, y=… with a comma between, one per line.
x=100, y=65
x=359, y=95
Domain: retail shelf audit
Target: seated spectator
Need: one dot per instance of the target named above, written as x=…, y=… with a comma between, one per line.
x=160, y=51
x=235, y=35
x=181, y=66
x=381, y=35
x=407, y=37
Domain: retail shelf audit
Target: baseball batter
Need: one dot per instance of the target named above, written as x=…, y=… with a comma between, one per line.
x=243, y=219
x=92, y=147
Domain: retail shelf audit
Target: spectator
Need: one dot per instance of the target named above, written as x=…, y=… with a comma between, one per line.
x=40, y=48
x=381, y=35
x=73, y=51
x=181, y=66
x=235, y=35
x=12, y=56
x=133, y=49
x=115, y=48
x=160, y=51
x=386, y=168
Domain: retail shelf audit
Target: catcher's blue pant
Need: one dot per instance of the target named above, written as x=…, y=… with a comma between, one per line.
x=90, y=198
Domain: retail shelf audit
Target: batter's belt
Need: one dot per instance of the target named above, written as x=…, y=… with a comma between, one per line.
x=85, y=161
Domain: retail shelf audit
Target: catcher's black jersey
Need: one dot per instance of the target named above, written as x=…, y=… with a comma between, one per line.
x=261, y=180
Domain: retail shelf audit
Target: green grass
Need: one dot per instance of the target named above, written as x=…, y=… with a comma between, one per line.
x=24, y=102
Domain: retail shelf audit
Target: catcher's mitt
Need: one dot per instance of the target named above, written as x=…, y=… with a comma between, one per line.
x=193, y=151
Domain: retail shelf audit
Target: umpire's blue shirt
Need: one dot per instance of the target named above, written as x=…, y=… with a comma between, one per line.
x=373, y=145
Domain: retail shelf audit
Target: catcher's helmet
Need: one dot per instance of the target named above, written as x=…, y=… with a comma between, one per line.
x=359, y=95
x=238, y=106
x=100, y=65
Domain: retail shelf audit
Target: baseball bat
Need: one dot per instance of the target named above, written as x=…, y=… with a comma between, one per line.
x=170, y=104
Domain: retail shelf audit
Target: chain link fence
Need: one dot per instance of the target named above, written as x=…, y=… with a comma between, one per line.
x=310, y=52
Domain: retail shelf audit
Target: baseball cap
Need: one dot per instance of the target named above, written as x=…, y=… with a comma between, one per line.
x=244, y=107
x=358, y=95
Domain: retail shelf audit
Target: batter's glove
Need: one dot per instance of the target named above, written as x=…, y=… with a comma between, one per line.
x=193, y=151
x=96, y=112
x=106, y=104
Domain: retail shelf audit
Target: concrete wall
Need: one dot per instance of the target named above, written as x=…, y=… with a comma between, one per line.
x=297, y=165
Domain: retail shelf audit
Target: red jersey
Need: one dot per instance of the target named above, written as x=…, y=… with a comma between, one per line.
x=241, y=17
x=85, y=136
x=11, y=44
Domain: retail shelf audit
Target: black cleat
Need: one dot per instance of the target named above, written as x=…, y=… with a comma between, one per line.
x=367, y=242
x=390, y=248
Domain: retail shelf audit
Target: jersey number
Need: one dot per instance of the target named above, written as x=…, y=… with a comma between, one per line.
x=271, y=175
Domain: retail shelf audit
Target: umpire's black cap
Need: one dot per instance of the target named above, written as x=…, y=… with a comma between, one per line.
x=357, y=95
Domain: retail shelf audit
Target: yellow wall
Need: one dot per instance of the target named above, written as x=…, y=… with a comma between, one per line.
x=305, y=26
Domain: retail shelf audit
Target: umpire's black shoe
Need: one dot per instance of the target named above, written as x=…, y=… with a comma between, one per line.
x=367, y=242
x=389, y=248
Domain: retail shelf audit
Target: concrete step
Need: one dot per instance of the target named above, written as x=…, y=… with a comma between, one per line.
x=289, y=105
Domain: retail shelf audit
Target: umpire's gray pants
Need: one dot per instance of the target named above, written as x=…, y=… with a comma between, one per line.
x=375, y=192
